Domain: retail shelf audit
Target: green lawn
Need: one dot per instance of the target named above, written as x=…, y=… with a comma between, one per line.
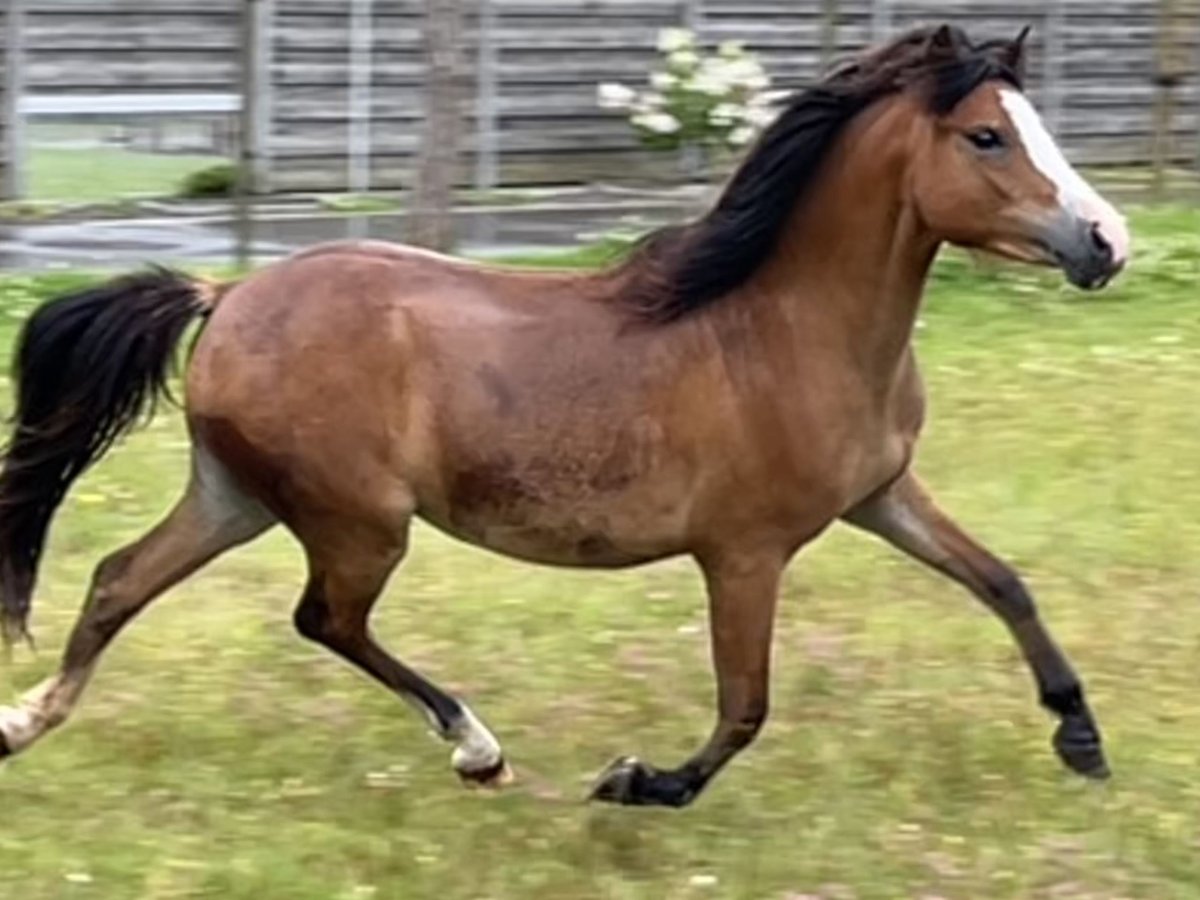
x=95, y=174
x=219, y=756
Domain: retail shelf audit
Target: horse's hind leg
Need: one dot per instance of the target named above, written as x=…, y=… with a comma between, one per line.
x=211, y=517
x=348, y=567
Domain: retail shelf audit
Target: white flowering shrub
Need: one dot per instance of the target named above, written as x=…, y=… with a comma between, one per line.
x=698, y=99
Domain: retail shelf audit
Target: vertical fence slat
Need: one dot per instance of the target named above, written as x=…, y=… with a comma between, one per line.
x=487, y=63
x=1054, y=49
x=358, y=134
x=881, y=20
x=829, y=29
x=12, y=129
x=1196, y=81
x=254, y=146
x=1170, y=70
x=254, y=124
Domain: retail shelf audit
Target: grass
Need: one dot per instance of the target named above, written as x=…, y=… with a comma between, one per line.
x=357, y=204
x=104, y=173
x=219, y=756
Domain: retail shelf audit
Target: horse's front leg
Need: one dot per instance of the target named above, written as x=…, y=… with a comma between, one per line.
x=905, y=516
x=742, y=590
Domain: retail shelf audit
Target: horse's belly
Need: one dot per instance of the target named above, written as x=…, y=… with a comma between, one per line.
x=564, y=543
x=531, y=514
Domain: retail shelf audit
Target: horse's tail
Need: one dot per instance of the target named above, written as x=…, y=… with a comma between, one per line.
x=88, y=367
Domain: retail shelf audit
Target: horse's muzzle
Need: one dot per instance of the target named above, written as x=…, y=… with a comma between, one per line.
x=1082, y=249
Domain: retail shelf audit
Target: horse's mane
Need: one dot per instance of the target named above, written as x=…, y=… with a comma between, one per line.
x=682, y=268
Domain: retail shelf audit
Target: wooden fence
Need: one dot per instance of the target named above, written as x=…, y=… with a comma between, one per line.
x=1097, y=71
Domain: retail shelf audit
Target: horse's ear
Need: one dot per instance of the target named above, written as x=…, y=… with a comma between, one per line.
x=946, y=41
x=1014, y=52
x=943, y=38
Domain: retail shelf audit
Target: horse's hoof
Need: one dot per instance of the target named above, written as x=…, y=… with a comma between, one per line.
x=4, y=749
x=630, y=782
x=491, y=778
x=615, y=784
x=1077, y=742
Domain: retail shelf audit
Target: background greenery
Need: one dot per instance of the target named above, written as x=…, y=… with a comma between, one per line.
x=218, y=755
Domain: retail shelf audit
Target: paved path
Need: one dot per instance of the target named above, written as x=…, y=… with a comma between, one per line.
x=209, y=234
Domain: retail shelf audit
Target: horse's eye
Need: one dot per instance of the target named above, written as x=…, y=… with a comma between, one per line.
x=987, y=139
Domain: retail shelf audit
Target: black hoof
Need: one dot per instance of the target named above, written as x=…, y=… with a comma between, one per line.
x=496, y=776
x=4, y=750
x=1077, y=742
x=634, y=783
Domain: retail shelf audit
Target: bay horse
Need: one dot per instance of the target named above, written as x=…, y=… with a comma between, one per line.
x=728, y=391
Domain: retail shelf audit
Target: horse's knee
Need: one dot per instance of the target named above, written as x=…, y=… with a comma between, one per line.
x=1008, y=594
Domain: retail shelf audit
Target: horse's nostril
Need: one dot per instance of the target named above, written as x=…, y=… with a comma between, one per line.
x=1100, y=242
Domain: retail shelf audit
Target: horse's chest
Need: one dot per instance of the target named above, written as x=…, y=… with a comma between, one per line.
x=835, y=457
x=887, y=441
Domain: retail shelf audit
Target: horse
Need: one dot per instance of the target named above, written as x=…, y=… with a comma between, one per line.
x=727, y=391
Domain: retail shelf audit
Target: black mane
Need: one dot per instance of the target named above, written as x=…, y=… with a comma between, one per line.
x=683, y=268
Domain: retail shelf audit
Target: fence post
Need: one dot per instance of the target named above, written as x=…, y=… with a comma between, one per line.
x=358, y=132
x=255, y=119
x=430, y=222
x=1054, y=49
x=691, y=15
x=1196, y=90
x=486, y=162
x=1169, y=69
x=829, y=28
x=12, y=127
x=256, y=95
x=881, y=20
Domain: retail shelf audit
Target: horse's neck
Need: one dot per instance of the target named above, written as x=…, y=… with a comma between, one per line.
x=851, y=269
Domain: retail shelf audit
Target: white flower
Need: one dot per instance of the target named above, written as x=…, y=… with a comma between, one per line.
x=710, y=84
x=615, y=96
x=712, y=79
x=683, y=59
x=724, y=114
x=659, y=123
x=759, y=116
x=649, y=102
x=663, y=81
x=731, y=49
x=760, y=81
x=673, y=39
x=747, y=73
x=741, y=136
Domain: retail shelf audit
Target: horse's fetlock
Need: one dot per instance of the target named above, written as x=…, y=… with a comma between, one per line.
x=1065, y=699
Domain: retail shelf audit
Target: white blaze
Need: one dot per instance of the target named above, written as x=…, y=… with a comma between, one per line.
x=1075, y=194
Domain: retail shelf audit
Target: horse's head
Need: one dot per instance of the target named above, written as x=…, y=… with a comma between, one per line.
x=987, y=174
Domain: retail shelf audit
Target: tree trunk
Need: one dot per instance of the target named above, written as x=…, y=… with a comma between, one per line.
x=430, y=223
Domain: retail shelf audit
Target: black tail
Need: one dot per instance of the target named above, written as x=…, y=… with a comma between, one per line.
x=88, y=367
